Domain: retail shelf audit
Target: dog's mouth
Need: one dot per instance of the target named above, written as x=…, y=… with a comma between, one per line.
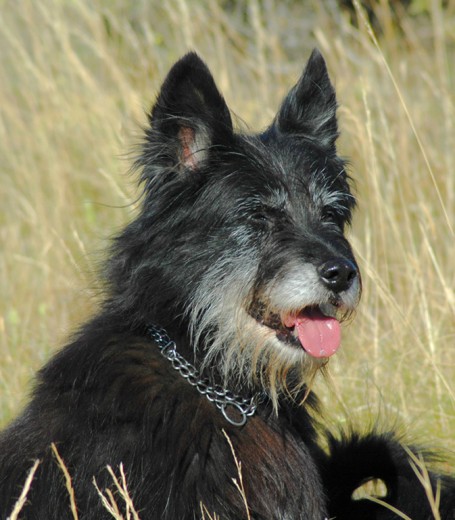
x=316, y=328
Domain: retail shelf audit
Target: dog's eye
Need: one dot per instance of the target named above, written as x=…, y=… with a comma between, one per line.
x=330, y=216
x=265, y=216
x=260, y=217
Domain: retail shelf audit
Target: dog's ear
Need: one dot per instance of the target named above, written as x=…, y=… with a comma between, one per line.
x=190, y=115
x=309, y=110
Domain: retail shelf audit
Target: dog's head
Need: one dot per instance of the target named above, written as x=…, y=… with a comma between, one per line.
x=241, y=237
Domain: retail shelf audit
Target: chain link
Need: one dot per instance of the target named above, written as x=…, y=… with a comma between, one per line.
x=224, y=400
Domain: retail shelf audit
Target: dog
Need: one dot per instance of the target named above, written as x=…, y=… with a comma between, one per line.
x=224, y=297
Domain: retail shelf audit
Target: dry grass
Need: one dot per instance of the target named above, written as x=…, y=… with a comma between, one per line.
x=238, y=480
x=109, y=501
x=76, y=78
x=120, y=506
x=68, y=482
x=24, y=492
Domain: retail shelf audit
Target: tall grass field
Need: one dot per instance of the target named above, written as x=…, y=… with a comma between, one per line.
x=76, y=79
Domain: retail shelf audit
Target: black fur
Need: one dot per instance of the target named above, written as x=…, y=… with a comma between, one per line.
x=238, y=238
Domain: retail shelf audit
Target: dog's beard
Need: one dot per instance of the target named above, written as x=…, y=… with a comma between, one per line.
x=226, y=335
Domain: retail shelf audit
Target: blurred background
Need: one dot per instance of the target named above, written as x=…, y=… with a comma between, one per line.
x=77, y=78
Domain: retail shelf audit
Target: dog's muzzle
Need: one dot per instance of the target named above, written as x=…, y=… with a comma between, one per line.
x=305, y=305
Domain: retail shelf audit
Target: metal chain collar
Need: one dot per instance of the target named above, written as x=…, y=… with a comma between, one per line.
x=231, y=405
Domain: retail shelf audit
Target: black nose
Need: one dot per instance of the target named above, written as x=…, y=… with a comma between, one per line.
x=337, y=274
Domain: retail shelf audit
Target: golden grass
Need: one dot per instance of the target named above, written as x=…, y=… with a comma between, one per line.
x=68, y=482
x=24, y=492
x=238, y=480
x=76, y=79
x=123, y=495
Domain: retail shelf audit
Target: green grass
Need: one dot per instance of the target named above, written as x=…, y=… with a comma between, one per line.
x=77, y=77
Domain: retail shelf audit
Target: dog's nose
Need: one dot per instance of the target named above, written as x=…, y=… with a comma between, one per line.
x=338, y=274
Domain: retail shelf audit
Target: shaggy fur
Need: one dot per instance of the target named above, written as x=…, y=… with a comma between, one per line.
x=238, y=252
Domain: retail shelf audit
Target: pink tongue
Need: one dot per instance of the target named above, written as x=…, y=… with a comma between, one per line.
x=319, y=335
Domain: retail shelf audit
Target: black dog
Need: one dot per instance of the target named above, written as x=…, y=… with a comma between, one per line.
x=224, y=297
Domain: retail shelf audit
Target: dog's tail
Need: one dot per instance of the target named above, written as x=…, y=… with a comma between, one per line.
x=407, y=488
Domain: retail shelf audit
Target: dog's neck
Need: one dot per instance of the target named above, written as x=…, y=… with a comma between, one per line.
x=234, y=408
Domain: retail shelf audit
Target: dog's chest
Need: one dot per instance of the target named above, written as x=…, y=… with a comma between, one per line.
x=213, y=462
x=262, y=464
x=279, y=474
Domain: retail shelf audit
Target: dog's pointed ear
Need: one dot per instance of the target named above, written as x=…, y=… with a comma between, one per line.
x=310, y=107
x=190, y=115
